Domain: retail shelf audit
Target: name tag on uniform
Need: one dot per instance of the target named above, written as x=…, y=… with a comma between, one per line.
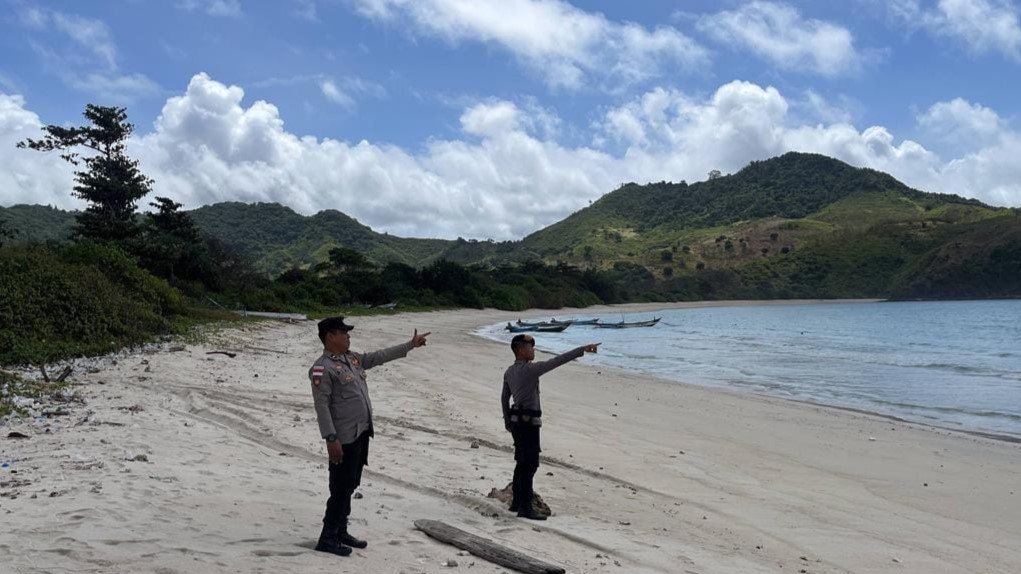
x=348, y=378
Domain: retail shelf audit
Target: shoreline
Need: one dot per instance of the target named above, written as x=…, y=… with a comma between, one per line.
x=988, y=434
x=215, y=462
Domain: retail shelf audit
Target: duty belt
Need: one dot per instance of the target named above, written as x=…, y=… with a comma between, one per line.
x=524, y=415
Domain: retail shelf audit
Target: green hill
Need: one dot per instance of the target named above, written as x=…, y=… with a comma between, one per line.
x=277, y=238
x=798, y=225
x=37, y=223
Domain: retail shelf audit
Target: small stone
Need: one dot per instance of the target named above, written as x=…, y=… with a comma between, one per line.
x=141, y=458
x=358, y=496
x=925, y=484
x=872, y=439
x=624, y=523
x=896, y=560
x=475, y=444
x=451, y=563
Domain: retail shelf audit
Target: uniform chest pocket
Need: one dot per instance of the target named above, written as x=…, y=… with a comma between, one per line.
x=348, y=393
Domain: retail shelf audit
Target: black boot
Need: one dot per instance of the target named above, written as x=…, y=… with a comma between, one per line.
x=346, y=539
x=328, y=542
x=530, y=514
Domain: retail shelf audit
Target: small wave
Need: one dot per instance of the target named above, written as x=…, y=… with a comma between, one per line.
x=951, y=410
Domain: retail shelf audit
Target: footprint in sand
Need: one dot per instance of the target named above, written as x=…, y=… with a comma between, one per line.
x=268, y=553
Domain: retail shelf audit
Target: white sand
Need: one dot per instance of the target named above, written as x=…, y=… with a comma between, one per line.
x=645, y=475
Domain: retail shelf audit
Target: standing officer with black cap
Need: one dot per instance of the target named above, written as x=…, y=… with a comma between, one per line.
x=345, y=421
x=524, y=418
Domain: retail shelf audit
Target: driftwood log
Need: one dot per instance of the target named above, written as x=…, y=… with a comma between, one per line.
x=60, y=378
x=486, y=549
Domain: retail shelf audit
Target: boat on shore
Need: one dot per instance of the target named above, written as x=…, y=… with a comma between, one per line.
x=536, y=328
x=626, y=325
x=555, y=321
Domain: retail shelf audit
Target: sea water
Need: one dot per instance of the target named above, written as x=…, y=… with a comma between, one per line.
x=954, y=364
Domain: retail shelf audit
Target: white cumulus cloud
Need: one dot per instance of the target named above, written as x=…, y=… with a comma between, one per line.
x=28, y=176
x=506, y=174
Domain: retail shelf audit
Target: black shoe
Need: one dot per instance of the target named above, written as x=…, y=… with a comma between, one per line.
x=346, y=539
x=530, y=514
x=328, y=542
x=333, y=547
x=513, y=507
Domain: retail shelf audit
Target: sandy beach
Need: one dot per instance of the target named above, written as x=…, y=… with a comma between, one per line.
x=182, y=461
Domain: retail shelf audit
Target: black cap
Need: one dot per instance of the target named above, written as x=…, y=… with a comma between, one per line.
x=332, y=324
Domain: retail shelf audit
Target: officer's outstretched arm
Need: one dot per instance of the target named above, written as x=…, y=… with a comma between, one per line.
x=542, y=367
x=376, y=358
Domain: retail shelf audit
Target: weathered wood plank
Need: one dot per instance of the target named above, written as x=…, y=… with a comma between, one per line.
x=485, y=548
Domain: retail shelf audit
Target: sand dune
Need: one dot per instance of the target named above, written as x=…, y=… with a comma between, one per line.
x=203, y=463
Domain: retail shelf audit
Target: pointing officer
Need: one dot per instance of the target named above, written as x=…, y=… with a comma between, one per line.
x=524, y=418
x=344, y=411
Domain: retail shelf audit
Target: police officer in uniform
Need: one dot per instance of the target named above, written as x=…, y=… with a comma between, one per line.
x=344, y=411
x=524, y=418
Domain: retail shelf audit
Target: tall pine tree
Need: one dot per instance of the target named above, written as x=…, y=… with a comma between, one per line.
x=110, y=182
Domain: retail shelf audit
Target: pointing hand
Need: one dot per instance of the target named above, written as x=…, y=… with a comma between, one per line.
x=419, y=340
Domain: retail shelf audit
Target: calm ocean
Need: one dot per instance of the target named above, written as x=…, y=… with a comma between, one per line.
x=955, y=364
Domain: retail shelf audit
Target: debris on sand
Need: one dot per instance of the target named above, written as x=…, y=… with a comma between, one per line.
x=505, y=495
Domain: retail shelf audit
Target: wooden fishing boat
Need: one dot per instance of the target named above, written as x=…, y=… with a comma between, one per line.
x=574, y=321
x=625, y=325
x=552, y=328
x=536, y=328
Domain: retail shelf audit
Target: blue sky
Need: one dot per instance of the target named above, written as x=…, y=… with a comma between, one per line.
x=489, y=118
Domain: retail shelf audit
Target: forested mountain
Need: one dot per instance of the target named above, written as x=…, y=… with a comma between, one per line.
x=798, y=225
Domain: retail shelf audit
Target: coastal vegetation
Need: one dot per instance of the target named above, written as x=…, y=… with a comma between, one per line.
x=795, y=226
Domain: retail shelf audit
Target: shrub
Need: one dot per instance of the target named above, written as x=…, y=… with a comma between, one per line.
x=81, y=300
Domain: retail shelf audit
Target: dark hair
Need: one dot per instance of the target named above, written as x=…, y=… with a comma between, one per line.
x=520, y=341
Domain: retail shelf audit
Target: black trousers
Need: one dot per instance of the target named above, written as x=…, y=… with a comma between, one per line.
x=344, y=479
x=526, y=453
